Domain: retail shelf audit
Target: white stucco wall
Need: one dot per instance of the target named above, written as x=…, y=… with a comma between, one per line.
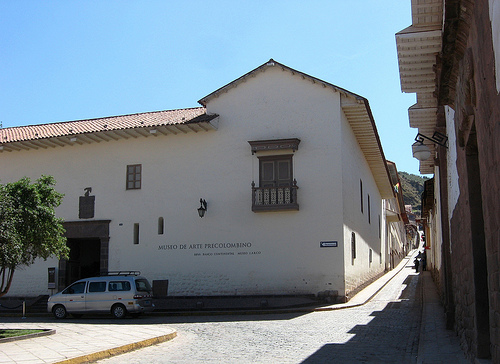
x=365, y=224
x=434, y=255
x=396, y=245
x=453, y=187
x=282, y=253
x=291, y=107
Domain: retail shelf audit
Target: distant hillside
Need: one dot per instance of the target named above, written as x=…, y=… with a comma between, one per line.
x=413, y=186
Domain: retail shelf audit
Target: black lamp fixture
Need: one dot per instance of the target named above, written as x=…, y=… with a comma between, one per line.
x=422, y=151
x=203, y=207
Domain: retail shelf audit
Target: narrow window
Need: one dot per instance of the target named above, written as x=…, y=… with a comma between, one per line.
x=369, y=212
x=361, y=193
x=136, y=233
x=379, y=228
x=134, y=174
x=371, y=256
x=353, y=246
x=160, y=225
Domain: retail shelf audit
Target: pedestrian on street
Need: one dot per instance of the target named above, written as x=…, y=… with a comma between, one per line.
x=416, y=262
x=424, y=261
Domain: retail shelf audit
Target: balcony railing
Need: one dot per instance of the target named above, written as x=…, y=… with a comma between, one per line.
x=274, y=198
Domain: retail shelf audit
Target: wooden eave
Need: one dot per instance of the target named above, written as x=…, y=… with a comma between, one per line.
x=360, y=118
x=419, y=47
x=198, y=124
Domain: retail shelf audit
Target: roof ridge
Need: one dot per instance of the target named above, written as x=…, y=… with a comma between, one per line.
x=272, y=63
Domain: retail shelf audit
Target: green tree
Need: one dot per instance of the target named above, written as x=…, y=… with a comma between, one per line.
x=413, y=186
x=29, y=228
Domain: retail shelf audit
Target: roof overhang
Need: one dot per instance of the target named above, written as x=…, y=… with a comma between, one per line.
x=360, y=118
x=392, y=216
x=418, y=48
x=170, y=122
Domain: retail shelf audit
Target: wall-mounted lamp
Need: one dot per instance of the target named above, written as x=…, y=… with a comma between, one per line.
x=422, y=151
x=203, y=207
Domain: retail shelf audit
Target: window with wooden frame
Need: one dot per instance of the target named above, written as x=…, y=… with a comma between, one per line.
x=277, y=189
x=275, y=171
x=134, y=176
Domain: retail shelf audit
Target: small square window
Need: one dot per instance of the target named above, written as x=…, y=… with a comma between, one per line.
x=134, y=176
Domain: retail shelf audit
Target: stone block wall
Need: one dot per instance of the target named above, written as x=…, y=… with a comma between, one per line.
x=475, y=222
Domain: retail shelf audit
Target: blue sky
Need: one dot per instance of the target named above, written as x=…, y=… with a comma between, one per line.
x=71, y=60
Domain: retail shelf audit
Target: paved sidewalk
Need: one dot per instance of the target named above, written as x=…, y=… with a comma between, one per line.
x=436, y=344
x=80, y=342
x=93, y=339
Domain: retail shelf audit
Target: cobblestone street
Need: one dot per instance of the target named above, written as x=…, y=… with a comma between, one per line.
x=385, y=330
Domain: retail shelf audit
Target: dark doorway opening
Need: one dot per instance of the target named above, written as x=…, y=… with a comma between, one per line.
x=84, y=259
x=480, y=269
x=89, y=251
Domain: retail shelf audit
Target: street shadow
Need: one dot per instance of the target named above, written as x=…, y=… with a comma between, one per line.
x=390, y=337
x=154, y=319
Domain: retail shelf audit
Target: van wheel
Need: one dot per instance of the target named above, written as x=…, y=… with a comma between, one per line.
x=59, y=312
x=118, y=311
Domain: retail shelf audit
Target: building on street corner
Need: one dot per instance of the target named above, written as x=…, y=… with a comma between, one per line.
x=274, y=186
x=450, y=57
x=398, y=244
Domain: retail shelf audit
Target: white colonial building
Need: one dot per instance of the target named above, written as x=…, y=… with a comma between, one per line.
x=290, y=167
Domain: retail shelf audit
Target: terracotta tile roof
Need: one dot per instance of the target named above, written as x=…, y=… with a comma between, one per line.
x=112, y=123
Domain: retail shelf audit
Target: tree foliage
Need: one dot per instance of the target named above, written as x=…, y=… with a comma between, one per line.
x=413, y=187
x=29, y=228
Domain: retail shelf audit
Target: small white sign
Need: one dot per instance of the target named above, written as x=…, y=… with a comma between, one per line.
x=328, y=244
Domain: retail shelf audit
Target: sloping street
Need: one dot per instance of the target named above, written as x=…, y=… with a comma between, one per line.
x=385, y=330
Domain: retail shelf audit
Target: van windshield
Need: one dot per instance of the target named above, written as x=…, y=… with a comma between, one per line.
x=142, y=285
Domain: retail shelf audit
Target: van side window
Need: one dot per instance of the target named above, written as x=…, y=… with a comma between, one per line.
x=75, y=288
x=97, y=286
x=142, y=285
x=119, y=286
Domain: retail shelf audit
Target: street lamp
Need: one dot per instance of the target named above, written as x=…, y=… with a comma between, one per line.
x=422, y=151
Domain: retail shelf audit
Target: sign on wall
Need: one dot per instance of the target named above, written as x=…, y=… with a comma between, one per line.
x=213, y=249
x=328, y=244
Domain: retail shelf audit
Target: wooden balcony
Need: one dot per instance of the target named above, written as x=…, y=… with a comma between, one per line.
x=274, y=198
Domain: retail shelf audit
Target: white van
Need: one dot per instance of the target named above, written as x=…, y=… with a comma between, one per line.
x=119, y=293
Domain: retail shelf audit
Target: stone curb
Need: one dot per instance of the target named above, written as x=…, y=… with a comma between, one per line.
x=104, y=354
